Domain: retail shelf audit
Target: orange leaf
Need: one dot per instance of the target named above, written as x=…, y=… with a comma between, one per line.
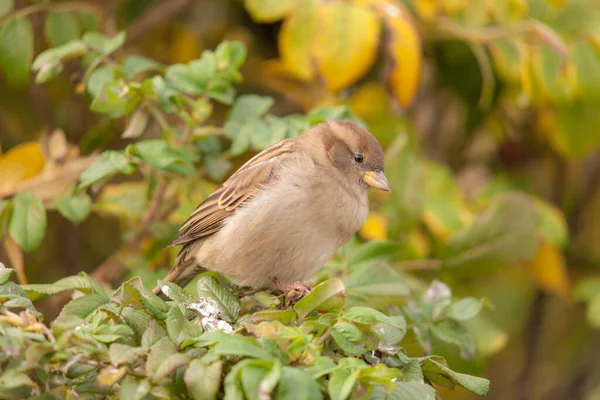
x=19, y=163
x=549, y=271
x=294, y=41
x=345, y=43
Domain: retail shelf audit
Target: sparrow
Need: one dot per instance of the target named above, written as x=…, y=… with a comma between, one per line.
x=278, y=219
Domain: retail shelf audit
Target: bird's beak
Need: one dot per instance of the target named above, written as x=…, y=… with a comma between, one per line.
x=376, y=180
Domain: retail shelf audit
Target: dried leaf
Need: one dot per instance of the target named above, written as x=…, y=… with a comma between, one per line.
x=20, y=163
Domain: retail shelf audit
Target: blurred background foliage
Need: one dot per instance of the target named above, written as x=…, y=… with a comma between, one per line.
x=488, y=111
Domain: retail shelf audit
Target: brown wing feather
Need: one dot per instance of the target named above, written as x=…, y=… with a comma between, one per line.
x=208, y=217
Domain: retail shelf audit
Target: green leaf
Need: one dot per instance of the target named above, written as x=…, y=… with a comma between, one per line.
x=133, y=65
x=384, y=249
x=153, y=333
x=182, y=78
x=52, y=56
x=375, y=278
x=104, y=44
x=203, y=381
x=169, y=366
x=109, y=163
x=553, y=224
x=123, y=354
x=5, y=274
x=221, y=91
x=464, y=309
x=296, y=384
x=405, y=391
x=134, y=389
x=328, y=295
x=453, y=332
x=16, y=51
x=240, y=346
x=6, y=6
x=61, y=27
x=251, y=377
x=27, y=223
x=323, y=114
x=576, y=129
x=593, y=311
x=230, y=54
x=227, y=303
x=159, y=352
x=176, y=293
x=85, y=305
x=284, y=316
x=586, y=58
x=75, y=208
x=433, y=370
x=49, y=63
x=270, y=10
x=203, y=69
x=348, y=338
x=366, y=315
x=250, y=107
x=81, y=282
x=504, y=234
x=341, y=383
x=175, y=321
x=160, y=154
x=100, y=77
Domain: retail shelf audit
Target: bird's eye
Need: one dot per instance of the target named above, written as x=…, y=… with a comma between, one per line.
x=358, y=158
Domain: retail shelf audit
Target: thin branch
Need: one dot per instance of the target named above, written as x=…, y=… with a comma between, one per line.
x=35, y=8
x=487, y=75
x=153, y=17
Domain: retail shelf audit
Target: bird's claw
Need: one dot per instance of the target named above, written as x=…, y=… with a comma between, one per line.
x=293, y=291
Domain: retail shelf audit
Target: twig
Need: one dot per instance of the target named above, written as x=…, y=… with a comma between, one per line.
x=35, y=8
x=487, y=75
x=113, y=268
x=154, y=16
x=419, y=265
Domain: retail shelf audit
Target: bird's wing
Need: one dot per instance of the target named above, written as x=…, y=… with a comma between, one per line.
x=208, y=217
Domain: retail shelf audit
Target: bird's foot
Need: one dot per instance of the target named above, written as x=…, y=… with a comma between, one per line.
x=293, y=291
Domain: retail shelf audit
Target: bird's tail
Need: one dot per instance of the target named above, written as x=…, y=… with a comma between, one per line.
x=185, y=269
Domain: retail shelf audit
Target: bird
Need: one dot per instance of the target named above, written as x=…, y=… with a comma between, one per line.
x=284, y=213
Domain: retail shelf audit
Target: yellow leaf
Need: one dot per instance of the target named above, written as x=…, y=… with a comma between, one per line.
x=270, y=10
x=404, y=51
x=375, y=227
x=370, y=101
x=19, y=163
x=295, y=38
x=185, y=45
x=549, y=271
x=418, y=243
x=489, y=338
x=345, y=43
x=426, y=9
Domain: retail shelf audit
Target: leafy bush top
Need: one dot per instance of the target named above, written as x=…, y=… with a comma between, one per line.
x=131, y=344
